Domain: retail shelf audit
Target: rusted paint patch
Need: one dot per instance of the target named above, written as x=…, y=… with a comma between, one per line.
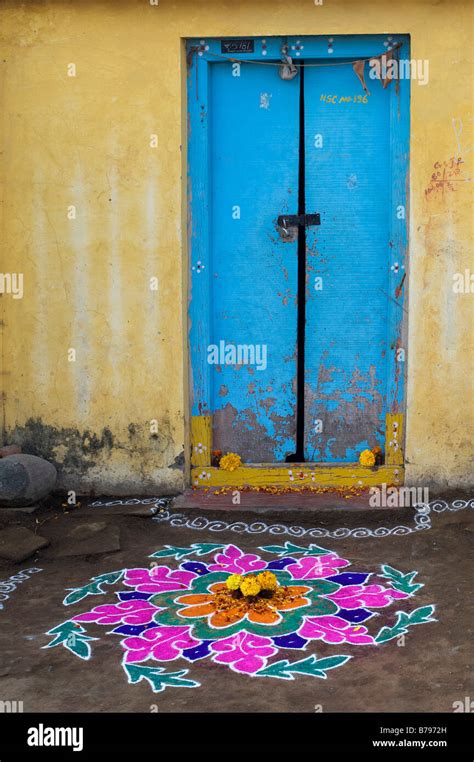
x=241, y=432
x=399, y=288
x=349, y=415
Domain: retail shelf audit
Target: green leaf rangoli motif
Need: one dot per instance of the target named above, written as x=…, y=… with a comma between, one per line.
x=404, y=621
x=72, y=636
x=288, y=549
x=94, y=587
x=197, y=549
x=158, y=678
x=400, y=581
x=311, y=666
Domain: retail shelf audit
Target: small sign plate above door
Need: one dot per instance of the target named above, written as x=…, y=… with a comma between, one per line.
x=237, y=46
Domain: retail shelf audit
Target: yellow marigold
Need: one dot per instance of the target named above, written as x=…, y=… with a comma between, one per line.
x=230, y=462
x=367, y=458
x=267, y=580
x=234, y=581
x=250, y=586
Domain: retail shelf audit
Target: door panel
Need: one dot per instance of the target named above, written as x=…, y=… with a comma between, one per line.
x=348, y=183
x=253, y=272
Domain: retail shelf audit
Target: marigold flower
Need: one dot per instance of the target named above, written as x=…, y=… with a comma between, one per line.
x=367, y=458
x=234, y=581
x=250, y=586
x=267, y=580
x=230, y=462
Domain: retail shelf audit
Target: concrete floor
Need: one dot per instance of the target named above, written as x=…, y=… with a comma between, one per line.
x=427, y=674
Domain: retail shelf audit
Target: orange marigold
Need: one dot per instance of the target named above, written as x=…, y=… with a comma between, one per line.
x=267, y=580
x=234, y=581
x=367, y=458
x=230, y=462
x=250, y=586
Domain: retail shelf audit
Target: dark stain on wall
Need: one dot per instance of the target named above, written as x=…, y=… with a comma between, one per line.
x=73, y=451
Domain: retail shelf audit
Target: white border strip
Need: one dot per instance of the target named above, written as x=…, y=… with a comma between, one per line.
x=423, y=513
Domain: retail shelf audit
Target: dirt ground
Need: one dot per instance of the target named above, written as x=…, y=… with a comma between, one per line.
x=428, y=674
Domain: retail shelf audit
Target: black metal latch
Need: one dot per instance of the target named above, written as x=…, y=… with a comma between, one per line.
x=286, y=221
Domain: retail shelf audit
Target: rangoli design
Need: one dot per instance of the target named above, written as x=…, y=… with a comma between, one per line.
x=241, y=610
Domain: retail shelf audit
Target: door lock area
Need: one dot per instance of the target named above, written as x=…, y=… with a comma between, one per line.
x=288, y=224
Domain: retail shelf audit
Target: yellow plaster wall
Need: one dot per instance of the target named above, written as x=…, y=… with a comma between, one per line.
x=84, y=141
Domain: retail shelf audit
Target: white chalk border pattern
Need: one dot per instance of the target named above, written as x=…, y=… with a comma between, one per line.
x=159, y=507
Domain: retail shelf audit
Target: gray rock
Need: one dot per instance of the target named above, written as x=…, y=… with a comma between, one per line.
x=18, y=543
x=25, y=479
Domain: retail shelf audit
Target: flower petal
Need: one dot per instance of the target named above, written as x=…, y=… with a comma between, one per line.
x=225, y=618
x=217, y=587
x=202, y=609
x=187, y=600
x=294, y=604
x=266, y=617
x=298, y=589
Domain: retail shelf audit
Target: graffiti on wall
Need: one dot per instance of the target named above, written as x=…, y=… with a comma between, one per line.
x=256, y=614
x=446, y=175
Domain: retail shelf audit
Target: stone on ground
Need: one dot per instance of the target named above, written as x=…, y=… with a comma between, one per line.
x=87, y=539
x=25, y=479
x=18, y=543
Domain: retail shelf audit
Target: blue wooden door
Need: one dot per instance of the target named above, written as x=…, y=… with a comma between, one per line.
x=294, y=343
x=254, y=143
x=347, y=160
